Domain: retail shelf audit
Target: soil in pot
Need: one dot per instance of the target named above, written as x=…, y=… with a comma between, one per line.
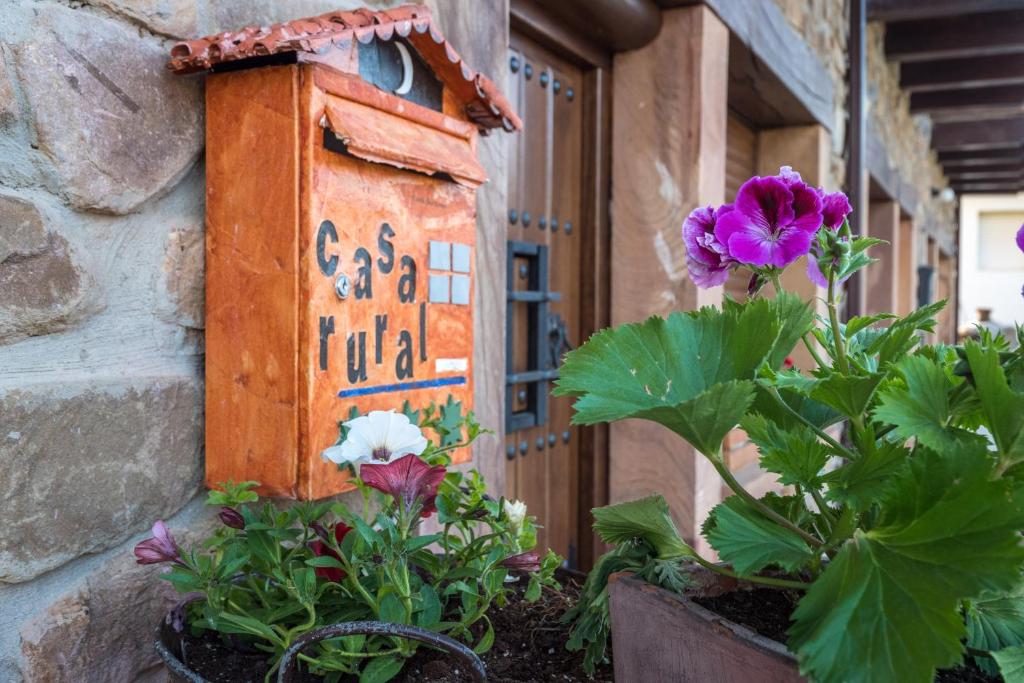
x=529, y=647
x=767, y=612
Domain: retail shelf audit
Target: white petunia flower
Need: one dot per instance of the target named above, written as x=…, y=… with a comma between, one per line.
x=516, y=513
x=381, y=436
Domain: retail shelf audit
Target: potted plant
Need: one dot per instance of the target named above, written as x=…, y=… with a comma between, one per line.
x=894, y=550
x=337, y=592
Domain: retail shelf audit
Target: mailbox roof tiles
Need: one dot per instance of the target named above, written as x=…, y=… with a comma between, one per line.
x=484, y=103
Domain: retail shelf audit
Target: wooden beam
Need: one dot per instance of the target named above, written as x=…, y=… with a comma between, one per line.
x=966, y=72
x=972, y=35
x=1011, y=98
x=988, y=188
x=994, y=134
x=955, y=158
x=981, y=169
x=898, y=10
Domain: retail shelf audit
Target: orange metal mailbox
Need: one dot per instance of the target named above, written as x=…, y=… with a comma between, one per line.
x=341, y=173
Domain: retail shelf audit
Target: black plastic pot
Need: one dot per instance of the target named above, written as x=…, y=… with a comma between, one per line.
x=169, y=647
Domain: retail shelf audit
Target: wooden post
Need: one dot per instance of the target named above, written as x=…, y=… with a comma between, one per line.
x=668, y=157
x=856, y=177
x=906, y=274
x=806, y=149
x=881, y=277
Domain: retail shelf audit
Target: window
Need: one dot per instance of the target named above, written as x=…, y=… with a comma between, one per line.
x=996, y=246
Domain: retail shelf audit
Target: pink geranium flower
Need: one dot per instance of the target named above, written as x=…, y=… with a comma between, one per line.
x=1020, y=238
x=772, y=222
x=835, y=207
x=408, y=480
x=707, y=260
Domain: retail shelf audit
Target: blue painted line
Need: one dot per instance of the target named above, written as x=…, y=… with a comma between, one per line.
x=388, y=388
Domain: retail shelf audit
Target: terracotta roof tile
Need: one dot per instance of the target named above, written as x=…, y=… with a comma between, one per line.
x=484, y=103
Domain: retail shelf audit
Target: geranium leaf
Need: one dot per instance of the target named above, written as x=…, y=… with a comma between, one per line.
x=1011, y=664
x=896, y=340
x=921, y=409
x=689, y=367
x=794, y=454
x=1003, y=406
x=750, y=542
x=995, y=622
x=862, y=482
x=647, y=519
x=886, y=608
x=849, y=395
x=382, y=669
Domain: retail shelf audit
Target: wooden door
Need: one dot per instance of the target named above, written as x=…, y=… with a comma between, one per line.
x=547, y=235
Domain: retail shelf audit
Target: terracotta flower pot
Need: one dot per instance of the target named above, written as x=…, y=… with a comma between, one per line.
x=662, y=637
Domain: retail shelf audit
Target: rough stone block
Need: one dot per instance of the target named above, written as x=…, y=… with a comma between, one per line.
x=174, y=18
x=42, y=288
x=85, y=466
x=103, y=629
x=8, y=100
x=115, y=125
x=183, y=281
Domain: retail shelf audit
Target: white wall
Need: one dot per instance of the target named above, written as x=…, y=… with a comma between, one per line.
x=991, y=266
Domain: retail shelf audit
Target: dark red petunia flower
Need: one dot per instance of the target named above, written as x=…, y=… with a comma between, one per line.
x=321, y=549
x=407, y=480
x=526, y=562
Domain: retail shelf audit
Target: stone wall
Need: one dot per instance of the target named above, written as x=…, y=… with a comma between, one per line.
x=905, y=138
x=101, y=311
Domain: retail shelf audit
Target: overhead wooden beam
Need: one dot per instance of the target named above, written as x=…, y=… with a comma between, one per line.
x=977, y=135
x=998, y=177
x=966, y=72
x=981, y=157
x=982, y=169
x=1009, y=97
x=896, y=10
x=988, y=188
x=971, y=35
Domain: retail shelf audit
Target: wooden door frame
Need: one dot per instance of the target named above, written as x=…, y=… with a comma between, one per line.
x=530, y=20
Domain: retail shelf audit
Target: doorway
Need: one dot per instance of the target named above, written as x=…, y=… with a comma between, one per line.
x=557, y=287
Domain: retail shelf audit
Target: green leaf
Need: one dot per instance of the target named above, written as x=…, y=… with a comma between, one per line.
x=886, y=607
x=381, y=669
x=898, y=339
x=487, y=640
x=862, y=322
x=795, y=455
x=532, y=590
x=325, y=561
x=749, y=541
x=921, y=408
x=430, y=608
x=1011, y=664
x=647, y=519
x=1003, y=406
x=862, y=482
x=690, y=372
x=995, y=622
x=392, y=610
x=242, y=624
x=849, y=395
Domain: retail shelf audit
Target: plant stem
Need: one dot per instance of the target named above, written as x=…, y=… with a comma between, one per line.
x=766, y=580
x=833, y=317
x=843, y=450
x=826, y=512
x=730, y=480
x=814, y=353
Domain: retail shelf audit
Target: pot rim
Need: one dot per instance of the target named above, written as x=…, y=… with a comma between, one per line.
x=166, y=636
x=712, y=619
